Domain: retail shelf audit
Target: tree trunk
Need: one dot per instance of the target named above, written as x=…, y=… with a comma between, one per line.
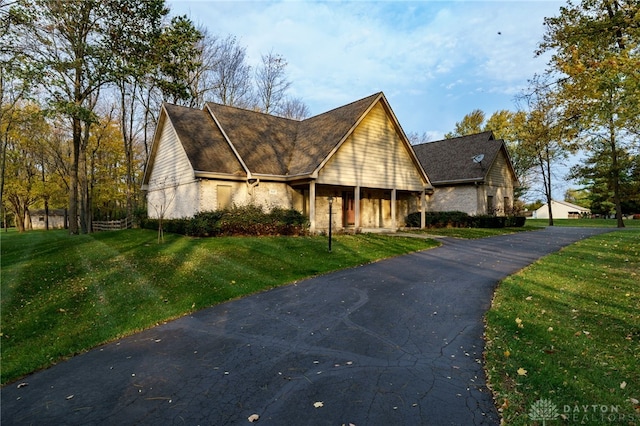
x=73, y=180
x=615, y=175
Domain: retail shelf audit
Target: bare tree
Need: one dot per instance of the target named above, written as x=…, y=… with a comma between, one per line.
x=271, y=82
x=293, y=108
x=416, y=138
x=165, y=193
x=232, y=75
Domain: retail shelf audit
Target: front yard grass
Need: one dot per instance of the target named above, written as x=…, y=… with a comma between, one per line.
x=62, y=294
x=474, y=233
x=587, y=223
x=567, y=330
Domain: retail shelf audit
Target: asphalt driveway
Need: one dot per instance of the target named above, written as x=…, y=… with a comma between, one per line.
x=397, y=342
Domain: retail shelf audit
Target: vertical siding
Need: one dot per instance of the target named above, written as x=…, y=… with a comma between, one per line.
x=171, y=165
x=172, y=188
x=499, y=174
x=500, y=185
x=373, y=156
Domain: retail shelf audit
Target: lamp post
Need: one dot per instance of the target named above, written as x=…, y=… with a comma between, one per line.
x=330, y=199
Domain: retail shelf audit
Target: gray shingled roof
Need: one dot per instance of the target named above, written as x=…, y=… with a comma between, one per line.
x=451, y=160
x=203, y=142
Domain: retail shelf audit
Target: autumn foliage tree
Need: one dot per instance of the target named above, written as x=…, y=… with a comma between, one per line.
x=595, y=57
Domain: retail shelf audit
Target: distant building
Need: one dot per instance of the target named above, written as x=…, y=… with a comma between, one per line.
x=561, y=210
x=57, y=219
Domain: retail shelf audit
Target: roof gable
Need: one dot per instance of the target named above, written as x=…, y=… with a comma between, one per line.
x=229, y=140
x=203, y=141
x=271, y=145
x=569, y=205
x=319, y=136
x=263, y=142
x=452, y=160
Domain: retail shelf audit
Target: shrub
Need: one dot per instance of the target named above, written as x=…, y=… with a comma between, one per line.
x=489, y=221
x=457, y=219
x=205, y=224
x=243, y=220
x=452, y=219
x=516, y=221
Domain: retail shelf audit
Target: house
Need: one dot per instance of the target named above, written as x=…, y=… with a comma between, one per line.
x=56, y=218
x=473, y=174
x=356, y=155
x=561, y=210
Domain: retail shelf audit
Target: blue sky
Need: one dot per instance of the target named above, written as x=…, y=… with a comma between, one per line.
x=435, y=60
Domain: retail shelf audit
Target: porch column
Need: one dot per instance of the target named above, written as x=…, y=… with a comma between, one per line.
x=356, y=201
x=393, y=209
x=423, y=209
x=312, y=206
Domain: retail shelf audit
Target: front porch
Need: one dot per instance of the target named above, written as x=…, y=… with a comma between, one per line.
x=359, y=209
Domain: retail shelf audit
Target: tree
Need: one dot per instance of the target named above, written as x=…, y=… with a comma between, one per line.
x=16, y=78
x=25, y=165
x=176, y=54
x=294, y=108
x=271, y=82
x=232, y=75
x=579, y=197
x=595, y=47
x=544, y=135
x=83, y=46
x=416, y=138
x=470, y=124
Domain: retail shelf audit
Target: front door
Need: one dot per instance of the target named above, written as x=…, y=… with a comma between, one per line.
x=348, y=209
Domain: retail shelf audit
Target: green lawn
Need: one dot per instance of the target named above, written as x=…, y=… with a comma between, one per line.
x=593, y=223
x=63, y=294
x=567, y=330
x=474, y=233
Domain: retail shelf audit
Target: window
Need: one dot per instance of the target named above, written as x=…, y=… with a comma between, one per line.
x=224, y=196
x=507, y=206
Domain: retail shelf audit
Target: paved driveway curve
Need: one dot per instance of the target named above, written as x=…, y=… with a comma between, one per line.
x=396, y=342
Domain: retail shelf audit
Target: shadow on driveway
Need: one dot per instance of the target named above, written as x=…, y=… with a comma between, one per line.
x=396, y=342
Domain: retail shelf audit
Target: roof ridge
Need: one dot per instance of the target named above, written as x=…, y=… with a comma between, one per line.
x=460, y=137
x=255, y=112
x=343, y=106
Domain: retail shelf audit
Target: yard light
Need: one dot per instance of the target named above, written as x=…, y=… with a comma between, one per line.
x=330, y=199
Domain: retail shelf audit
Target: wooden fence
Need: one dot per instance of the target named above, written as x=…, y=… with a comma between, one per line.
x=111, y=225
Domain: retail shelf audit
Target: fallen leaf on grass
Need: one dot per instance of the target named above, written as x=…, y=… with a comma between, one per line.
x=623, y=385
x=522, y=372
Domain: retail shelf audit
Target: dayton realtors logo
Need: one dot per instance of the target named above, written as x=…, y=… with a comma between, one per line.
x=545, y=410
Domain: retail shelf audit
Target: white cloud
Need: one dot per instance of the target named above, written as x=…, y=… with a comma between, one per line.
x=435, y=61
